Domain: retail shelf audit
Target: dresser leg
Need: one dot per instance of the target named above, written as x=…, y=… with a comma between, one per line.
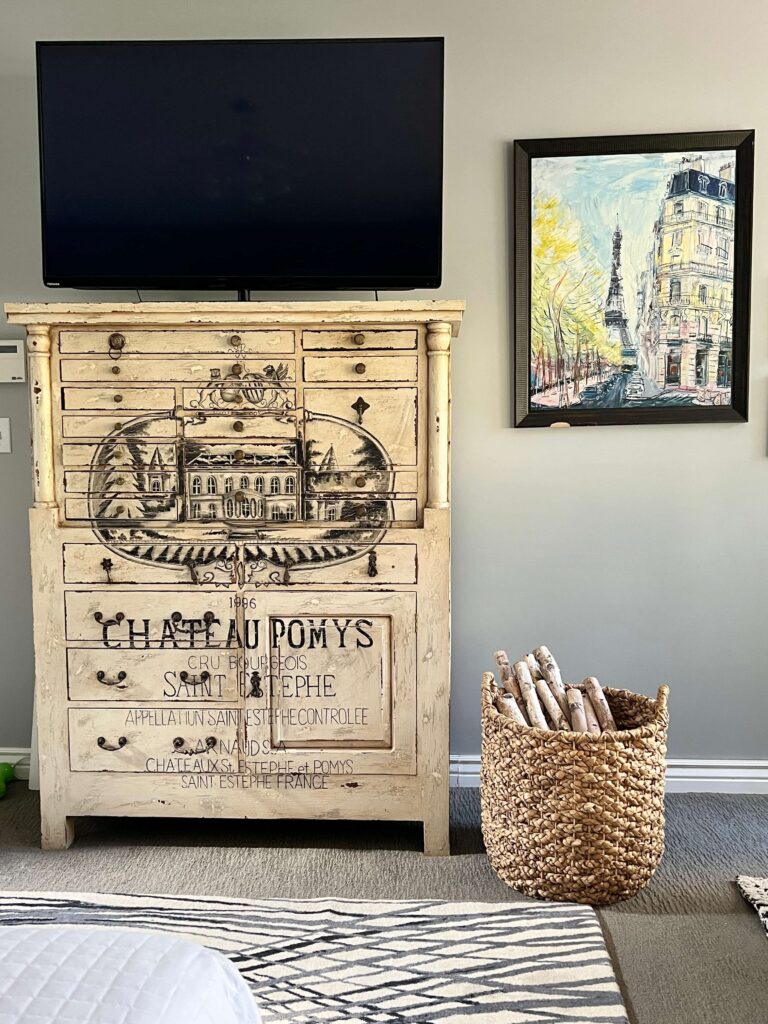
x=437, y=834
x=58, y=832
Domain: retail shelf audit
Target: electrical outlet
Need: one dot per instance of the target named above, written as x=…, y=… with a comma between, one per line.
x=5, y=435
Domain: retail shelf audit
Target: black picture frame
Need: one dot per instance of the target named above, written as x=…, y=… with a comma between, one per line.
x=527, y=150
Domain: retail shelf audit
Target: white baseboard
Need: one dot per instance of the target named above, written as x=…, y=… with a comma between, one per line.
x=684, y=775
x=18, y=756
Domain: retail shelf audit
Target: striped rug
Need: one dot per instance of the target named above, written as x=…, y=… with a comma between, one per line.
x=358, y=962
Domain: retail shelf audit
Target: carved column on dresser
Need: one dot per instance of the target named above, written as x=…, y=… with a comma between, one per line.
x=434, y=621
x=57, y=828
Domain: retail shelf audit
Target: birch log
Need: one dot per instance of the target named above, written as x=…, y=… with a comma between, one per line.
x=509, y=682
x=576, y=706
x=593, y=723
x=551, y=672
x=552, y=708
x=533, y=665
x=507, y=706
x=600, y=704
x=528, y=690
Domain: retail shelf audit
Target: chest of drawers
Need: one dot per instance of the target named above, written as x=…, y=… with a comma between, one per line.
x=240, y=551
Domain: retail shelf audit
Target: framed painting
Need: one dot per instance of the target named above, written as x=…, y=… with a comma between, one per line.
x=632, y=278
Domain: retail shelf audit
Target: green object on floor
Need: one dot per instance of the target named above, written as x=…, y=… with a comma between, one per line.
x=2, y=786
x=7, y=772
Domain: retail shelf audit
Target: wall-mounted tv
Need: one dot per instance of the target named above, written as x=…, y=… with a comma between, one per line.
x=259, y=164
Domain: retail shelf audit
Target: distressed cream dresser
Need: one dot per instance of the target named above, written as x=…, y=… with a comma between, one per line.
x=240, y=549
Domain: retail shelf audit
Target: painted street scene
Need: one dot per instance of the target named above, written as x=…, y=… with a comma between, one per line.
x=632, y=280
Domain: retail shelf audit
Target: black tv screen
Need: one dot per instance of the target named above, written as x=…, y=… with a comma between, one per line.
x=266, y=164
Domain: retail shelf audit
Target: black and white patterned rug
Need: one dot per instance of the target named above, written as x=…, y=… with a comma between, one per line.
x=358, y=962
x=756, y=891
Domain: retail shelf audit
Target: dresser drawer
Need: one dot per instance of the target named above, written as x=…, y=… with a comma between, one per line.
x=152, y=675
x=127, y=508
x=121, y=618
x=115, y=399
x=318, y=369
x=80, y=481
x=82, y=455
x=352, y=480
x=360, y=511
x=125, y=342
x=387, y=413
x=314, y=564
x=165, y=739
x=253, y=426
x=358, y=340
x=99, y=426
x=164, y=369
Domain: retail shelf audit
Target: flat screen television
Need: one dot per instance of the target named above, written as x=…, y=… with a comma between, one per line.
x=259, y=164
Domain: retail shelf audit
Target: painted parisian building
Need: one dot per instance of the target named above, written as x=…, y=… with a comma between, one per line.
x=685, y=298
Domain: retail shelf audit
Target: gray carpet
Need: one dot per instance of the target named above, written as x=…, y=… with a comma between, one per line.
x=688, y=950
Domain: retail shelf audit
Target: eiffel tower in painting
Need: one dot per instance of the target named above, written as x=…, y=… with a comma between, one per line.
x=615, y=314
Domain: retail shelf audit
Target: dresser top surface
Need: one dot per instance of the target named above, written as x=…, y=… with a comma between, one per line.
x=190, y=314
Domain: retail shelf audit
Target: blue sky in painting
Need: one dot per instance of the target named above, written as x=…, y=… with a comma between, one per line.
x=597, y=188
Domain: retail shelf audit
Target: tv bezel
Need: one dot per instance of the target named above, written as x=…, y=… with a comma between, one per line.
x=315, y=282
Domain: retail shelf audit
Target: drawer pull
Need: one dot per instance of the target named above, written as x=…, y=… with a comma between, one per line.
x=237, y=399
x=116, y=342
x=237, y=369
x=117, y=681
x=239, y=454
x=360, y=481
x=119, y=616
x=361, y=407
x=240, y=495
x=117, y=398
x=359, y=339
x=115, y=370
x=208, y=618
x=239, y=426
x=118, y=426
x=359, y=367
x=121, y=742
x=107, y=565
x=186, y=677
x=373, y=569
x=235, y=340
x=180, y=748
x=119, y=481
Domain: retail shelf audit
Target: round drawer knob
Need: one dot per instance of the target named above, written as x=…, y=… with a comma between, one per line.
x=239, y=426
x=237, y=369
x=360, y=481
x=117, y=398
x=359, y=367
x=235, y=340
x=359, y=339
x=118, y=426
x=116, y=342
x=240, y=496
x=238, y=399
x=115, y=370
x=120, y=510
x=119, y=481
x=239, y=454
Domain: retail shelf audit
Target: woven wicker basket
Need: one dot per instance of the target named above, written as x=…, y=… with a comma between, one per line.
x=572, y=816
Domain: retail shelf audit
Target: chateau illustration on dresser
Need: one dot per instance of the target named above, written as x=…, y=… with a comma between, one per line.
x=240, y=552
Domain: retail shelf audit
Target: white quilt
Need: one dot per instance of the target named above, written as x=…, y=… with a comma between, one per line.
x=56, y=975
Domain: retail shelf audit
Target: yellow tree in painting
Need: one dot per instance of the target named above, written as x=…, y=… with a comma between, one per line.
x=569, y=343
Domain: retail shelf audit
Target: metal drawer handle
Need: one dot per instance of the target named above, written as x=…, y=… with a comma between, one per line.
x=208, y=618
x=179, y=748
x=121, y=742
x=117, y=681
x=373, y=569
x=117, y=398
x=237, y=369
x=235, y=340
x=116, y=342
x=119, y=616
x=360, y=481
x=359, y=339
x=238, y=455
x=115, y=370
x=359, y=367
x=361, y=407
x=238, y=426
x=186, y=677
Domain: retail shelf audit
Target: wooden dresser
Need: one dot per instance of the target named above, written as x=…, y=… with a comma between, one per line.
x=240, y=551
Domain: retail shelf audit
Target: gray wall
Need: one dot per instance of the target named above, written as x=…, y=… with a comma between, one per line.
x=637, y=553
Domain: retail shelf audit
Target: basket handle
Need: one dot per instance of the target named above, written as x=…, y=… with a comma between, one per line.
x=661, y=698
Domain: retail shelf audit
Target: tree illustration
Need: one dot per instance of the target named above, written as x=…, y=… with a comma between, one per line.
x=569, y=342
x=118, y=483
x=369, y=455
